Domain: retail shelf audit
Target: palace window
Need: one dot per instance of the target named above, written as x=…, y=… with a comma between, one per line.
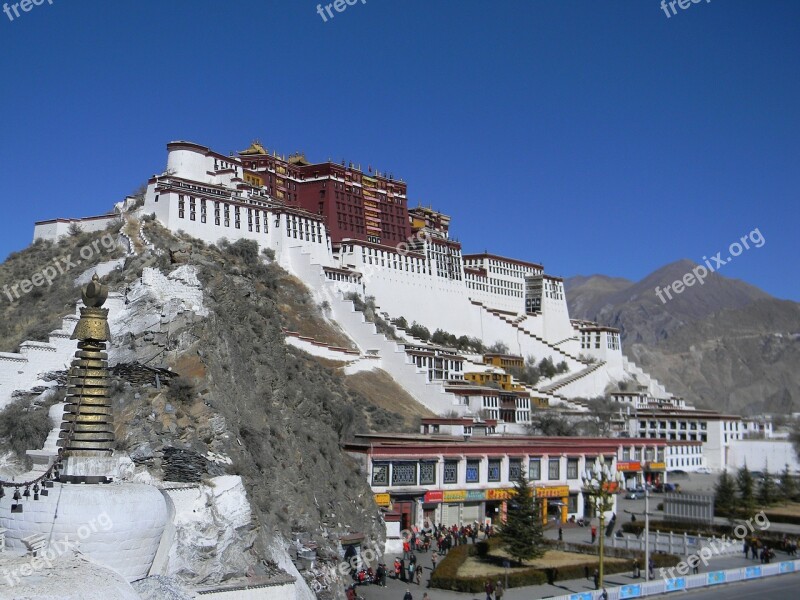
x=473, y=471
x=514, y=468
x=494, y=469
x=380, y=474
x=451, y=471
x=427, y=473
x=572, y=468
x=554, y=469
x=535, y=469
x=404, y=473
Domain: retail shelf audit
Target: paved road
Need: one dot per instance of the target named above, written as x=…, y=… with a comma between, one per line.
x=396, y=589
x=783, y=586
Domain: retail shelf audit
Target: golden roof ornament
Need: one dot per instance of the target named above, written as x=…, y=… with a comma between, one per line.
x=93, y=324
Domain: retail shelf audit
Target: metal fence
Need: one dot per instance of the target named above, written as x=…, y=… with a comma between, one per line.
x=680, y=544
x=677, y=584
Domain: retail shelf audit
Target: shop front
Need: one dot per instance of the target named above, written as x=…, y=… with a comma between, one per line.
x=407, y=504
x=631, y=471
x=452, y=501
x=496, y=505
x=654, y=472
x=555, y=502
x=472, y=511
x=430, y=504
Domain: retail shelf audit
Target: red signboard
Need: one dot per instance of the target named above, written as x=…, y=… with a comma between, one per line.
x=633, y=465
x=433, y=496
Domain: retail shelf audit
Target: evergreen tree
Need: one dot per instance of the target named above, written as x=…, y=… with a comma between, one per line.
x=725, y=495
x=787, y=488
x=767, y=490
x=522, y=535
x=744, y=482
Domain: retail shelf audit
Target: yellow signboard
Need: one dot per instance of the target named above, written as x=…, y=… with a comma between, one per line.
x=657, y=466
x=500, y=494
x=383, y=499
x=558, y=491
x=454, y=496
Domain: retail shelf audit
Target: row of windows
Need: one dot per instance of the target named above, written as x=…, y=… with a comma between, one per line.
x=402, y=473
x=682, y=425
x=303, y=229
x=254, y=216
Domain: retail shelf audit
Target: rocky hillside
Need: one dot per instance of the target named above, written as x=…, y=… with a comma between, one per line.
x=725, y=345
x=242, y=402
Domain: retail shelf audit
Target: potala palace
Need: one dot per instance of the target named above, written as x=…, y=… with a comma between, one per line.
x=350, y=237
x=343, y=231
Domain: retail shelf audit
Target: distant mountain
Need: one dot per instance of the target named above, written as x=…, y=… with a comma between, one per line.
x=725, y=344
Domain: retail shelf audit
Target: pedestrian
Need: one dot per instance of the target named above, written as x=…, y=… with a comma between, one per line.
x=412, y=567
x=382, y=575
x=408, y=595
x=403, y=570
x=351, y=592
x=596, y=579
x=746, y=548
x=406, y=549
x=418, y=574
x=498, y=591
x=586, y=571
x=397, y=568
x=604, y=595
x=594, y=533
x=560, y=534
x=425, y=596
x=434, y=559
x=651, y=567
x=636, y=571
x=489, y=589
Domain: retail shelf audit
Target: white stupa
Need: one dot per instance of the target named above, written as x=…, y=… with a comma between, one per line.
x=76, y=500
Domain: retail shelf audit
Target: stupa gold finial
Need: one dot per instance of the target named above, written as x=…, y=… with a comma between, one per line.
x=94, y=294
x=93, y=324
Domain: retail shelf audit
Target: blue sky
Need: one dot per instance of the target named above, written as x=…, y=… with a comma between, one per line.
x=594, y=136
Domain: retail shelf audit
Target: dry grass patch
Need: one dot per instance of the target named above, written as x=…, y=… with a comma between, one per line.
x=790, y=510
x=378, y=387
x=475, y=567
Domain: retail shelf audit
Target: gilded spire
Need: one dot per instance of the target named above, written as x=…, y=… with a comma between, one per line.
x=88, y=420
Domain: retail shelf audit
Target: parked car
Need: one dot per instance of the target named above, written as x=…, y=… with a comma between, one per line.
x=669, y=487
x=632, y=495
x=704, y=470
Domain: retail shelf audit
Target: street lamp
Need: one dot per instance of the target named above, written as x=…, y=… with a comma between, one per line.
x=600, y=484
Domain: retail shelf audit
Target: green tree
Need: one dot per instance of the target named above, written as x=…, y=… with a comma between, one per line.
x=746, y=487
x=725, y=495
x=547, y=368
x=767, y=490
x=521, y=535
x=787, y=487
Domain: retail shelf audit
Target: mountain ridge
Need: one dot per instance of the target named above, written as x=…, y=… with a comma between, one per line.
x=724, y=345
